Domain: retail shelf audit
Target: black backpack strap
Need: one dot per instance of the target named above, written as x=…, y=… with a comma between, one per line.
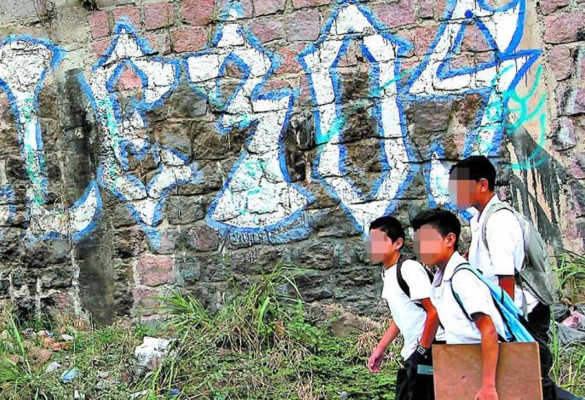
x=401, y=282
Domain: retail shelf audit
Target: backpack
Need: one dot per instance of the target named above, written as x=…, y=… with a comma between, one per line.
x=516, y=326
x=401, y=282
x=536, y=276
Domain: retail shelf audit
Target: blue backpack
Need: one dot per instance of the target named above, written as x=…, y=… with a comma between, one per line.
x=516, y=325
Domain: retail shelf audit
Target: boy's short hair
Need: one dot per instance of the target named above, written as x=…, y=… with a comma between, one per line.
x=476, y=168
x=442, y=220
x=390, y=226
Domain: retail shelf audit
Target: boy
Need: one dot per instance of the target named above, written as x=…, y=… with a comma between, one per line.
x=410, y=312
x=472, y=184
x=436, y=240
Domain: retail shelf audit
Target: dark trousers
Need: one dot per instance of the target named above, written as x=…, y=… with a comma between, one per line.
x=410, y=385
x=539, y=321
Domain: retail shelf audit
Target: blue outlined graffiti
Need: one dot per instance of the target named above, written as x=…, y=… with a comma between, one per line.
x=352, y=21
x=124, y=133
x=7, y=206
x=24, y=64
x=258, y=196
x=495, y=81
x=524, y=112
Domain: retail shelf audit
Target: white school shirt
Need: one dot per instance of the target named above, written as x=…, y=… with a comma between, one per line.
x=409, y=317
x=475, y=297
x=506, y=249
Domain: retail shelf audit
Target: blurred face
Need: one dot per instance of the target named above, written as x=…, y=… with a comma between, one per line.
x=466, y=192
x=431, y=247
x=380, y=247
x=462, y=192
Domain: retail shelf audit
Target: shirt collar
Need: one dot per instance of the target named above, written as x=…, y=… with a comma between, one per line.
x=455, y=260
x=494, y=200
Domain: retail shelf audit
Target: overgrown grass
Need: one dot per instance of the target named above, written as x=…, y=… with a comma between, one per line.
x=106, y=351
x=569, y=361
x=568, y=369
x=264, y=343
x=570, y=273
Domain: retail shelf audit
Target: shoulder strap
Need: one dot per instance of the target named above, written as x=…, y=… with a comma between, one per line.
x=489, y=212
x=455, y=295
x=476, y=272
x=401, y=282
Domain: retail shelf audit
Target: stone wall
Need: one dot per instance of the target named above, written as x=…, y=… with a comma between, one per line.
x=150, y=144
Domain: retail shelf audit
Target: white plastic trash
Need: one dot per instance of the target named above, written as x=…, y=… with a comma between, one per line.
x=151, y=351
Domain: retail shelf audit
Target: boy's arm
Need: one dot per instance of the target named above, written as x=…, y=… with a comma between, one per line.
x=431, y=324
x=377, y=356
x=507, y=282
x=389, y=336
x=420, y=290
x=502, y=245
x=489, y=355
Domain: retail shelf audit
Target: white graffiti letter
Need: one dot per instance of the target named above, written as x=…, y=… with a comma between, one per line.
x=354, y=22
x=258, y=195
x=495, y=80
x=125, y=134
x=23, y=66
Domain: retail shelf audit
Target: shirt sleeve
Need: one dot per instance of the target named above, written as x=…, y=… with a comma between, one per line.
x=505, y=242
x=417, y=279
x=474, y=294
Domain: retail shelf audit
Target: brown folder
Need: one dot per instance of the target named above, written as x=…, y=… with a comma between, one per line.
x=457, y=371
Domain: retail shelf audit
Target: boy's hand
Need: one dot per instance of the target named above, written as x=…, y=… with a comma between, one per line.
x=487, y=393
x=375, y=361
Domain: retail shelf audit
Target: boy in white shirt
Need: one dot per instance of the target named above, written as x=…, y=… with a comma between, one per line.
x=472, y=184
x=436, y=239
x=411, y=312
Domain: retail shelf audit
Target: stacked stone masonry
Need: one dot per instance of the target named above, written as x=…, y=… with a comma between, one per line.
x=197, y=143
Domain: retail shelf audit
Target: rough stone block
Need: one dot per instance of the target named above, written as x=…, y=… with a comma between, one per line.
x=550, y=6
x=577, y=167
x=426, y=9
x=145, y=300
x=564, y=134
x=155, y=270
x=188, y=39
x=560, y=62
x=290, y=63
x=15, y=10
x=182, y=210
x=267, y=30
x=564, y=27
x=158, y=15
x=309, y=3
x=264, y=7
x=203, y=238
x=132, y=14
x=197, y=12
x=303, y=26
x=395, y=14
x=99, y=24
